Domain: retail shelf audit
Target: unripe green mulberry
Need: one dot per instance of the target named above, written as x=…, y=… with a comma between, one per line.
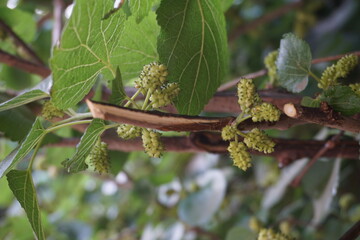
x=270, y=64
x=265, y=112
x=269, y=234
x=340, y=69
x=247, y=95
x=99, y=158
x=228, y=132
x=163, y=96
x=127, y=131
x=151, y=142
x=254, y=224
x=258, y=140
x=239, y=154
x=50, y=111
x=152, y=76
x=346, y=64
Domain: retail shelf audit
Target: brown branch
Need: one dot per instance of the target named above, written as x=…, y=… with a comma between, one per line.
x=352, y=233
x=262, y=72
x=201, y=231
x=322, y=116
x=24, y=65
x=286, y=150
x=21, y=44
x=265, y=19
x=327, y=146
x=59, y=8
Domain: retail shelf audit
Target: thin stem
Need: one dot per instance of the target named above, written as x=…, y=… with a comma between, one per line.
x=35, y=151
x=131, y=100
x=241, y=118
x=78, y=116
x=56, y=127
x=111, y=126
x=145, y=104
x=314, y=76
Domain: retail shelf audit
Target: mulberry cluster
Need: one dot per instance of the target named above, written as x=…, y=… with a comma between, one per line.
x=99, y=158
x=152, y=76
x=265, y=112
x=339, y=70
x=247, y=95
x=127, y=131
x=270, y=64
x=229, y=132
x=269, y=234
x=258, y=140
x=240, y=155
x=164, y=95
x=356, y=88
x=50, y=111
x=151, y=142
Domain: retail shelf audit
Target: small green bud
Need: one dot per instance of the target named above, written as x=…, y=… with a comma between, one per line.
x=99, y=157
x=50, y=111
x=285, y=227
x=151, y=142
x=346, y=201
x=228, y=132
x=127, y=131
x=270, y=64
x=239, y=154
x=247, y=95
x=269, y=234
x=258, y=140
x=152, y=76
x=265, y=112
x=164, y=95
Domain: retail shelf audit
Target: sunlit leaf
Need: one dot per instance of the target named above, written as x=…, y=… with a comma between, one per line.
x=22, y=99
x=293, y=63
x=118, y=94
x=21, y=184
x=140, y=8
x=193, y=45
x=83, y=149
x=36, y=133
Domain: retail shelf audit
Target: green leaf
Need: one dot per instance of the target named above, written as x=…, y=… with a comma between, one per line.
x=226, y=4
x=342, y=99
x=310, y=102
x=117, y=89
x=86, y=47
x=36, y=133
x=193, y=45
x=88, y=140
x=140, y=8
x=240, y=232
x=21, y=184
x=293, y=63
x=22, y=99
x=133, y=50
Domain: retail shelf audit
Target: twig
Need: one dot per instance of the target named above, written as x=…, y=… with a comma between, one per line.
x=264, y=19
x=322, y=117
x=25, y=65
x=352, y=233
x=21, y=44
x=286, y=150
x=330, y=144
x=59, y=8
x=262, y=72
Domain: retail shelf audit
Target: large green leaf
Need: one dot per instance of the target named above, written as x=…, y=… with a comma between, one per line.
x=136, y=46
x=342, y=99
x=36, y=133
x=239, y=232
x=118, y=94
x=193, y=45
x=293, y=63
x=83, y=149
x=21, y=184
x=86, y=47
x=140, y=8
